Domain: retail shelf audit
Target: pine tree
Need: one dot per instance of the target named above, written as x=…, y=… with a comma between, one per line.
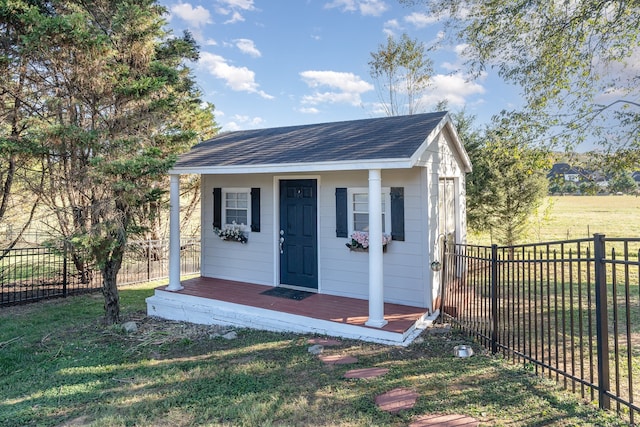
x=120, y=104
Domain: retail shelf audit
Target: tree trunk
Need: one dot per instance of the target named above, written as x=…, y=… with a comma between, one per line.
x=110, y=290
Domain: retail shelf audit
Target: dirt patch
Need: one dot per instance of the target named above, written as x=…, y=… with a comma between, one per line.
x=158, y=337
x=155, y=326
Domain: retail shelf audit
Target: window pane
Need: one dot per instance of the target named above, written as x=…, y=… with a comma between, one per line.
x=236, y=208
x=360, y=202
x=360, y=206
x=231, y=200
x=360, y=222
x=237, y=215
x=237, y=200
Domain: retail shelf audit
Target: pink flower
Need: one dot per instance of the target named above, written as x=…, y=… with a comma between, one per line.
x=360, y=239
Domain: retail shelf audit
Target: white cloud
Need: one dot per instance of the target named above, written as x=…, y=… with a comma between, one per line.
x=455, y=88
x=240, y=79
x=373, y=7
x=450, y=66
x=235, y=17
x=230, y=127
x=347, y=82
x=346, y=5
x=621, y=72
x=610, y=95
x=390, y=27
x=234, y=9
x=421, y=20
x=460, y=51
x=243, y=122
x=309, y=110
x=343, y=87
x=247, y=46
x=195, y=17
x=238, y=4
x=365, y=7
x=379, y=108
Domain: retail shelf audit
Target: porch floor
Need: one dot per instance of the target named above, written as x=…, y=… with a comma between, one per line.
x=337, y=314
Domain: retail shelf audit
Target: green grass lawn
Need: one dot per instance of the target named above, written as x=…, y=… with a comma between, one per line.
x=60, y=366
x=577, y=217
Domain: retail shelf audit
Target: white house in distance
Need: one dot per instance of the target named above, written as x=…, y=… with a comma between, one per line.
x=297, y=195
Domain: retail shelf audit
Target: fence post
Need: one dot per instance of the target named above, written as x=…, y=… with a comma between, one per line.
x=149, y=249
x=494, y=299
x=443, y=278
x=65, y=270
x=602, y=321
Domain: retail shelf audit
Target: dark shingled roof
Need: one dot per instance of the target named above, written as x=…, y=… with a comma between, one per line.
x=395, y=137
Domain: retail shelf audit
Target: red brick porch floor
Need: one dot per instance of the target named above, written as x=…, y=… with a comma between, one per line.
x=351, y=311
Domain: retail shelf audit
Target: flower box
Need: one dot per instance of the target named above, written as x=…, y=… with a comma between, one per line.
x=360, y=242
x=232, y=233
x=358, y=249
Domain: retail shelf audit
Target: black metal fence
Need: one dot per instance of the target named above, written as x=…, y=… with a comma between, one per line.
x=34, y=273
x=567, y=310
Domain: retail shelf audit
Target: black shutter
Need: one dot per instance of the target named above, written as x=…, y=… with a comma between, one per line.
x=397, y=213
x=217, y=208
x=341, y=213
x=255, y=209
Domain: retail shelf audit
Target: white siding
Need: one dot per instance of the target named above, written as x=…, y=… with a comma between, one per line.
x=251, y=262
x=345, y=273
x=440, y=160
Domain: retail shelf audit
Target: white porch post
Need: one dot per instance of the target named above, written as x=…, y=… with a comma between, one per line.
x=174, y=234
x=376, y=289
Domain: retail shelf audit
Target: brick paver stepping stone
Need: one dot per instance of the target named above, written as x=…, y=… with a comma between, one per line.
x=397, y=400
x=337, y=359
x=327, y=342
x=433, y=420
x=366, y=373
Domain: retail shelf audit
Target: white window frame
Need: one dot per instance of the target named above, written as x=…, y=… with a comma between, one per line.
x=386, y=198
x=247, y=191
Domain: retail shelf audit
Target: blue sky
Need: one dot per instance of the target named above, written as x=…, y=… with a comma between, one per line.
x=271, y=63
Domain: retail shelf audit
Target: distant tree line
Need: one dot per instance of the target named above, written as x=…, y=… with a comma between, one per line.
x=590, y=174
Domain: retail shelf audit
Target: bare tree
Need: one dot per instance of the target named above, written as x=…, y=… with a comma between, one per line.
x=402, y=71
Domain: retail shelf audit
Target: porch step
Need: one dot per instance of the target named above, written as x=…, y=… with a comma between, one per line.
x=207, y=311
